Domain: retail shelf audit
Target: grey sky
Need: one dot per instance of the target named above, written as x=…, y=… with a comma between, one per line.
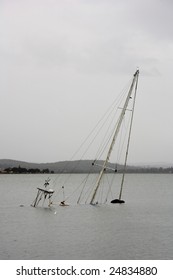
x=64, y=62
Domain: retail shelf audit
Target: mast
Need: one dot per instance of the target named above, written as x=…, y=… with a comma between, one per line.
x=115, y=135
x=128, y=143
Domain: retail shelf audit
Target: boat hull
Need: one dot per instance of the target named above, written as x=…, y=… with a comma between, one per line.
x=117, y=201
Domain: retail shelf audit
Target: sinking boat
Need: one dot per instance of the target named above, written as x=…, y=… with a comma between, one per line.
x=110, y=139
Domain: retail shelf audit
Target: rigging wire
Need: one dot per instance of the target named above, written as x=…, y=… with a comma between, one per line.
x=112, y=110
x=108, y=112
x=95, y=131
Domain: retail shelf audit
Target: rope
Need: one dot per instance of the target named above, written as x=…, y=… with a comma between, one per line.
x=110, y=113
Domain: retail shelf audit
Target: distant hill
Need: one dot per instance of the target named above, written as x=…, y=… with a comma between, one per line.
x=83, y=166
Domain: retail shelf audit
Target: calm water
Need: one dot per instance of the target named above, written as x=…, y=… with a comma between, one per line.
x=140, y=229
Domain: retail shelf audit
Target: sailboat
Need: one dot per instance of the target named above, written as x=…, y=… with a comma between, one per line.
x=103, y=165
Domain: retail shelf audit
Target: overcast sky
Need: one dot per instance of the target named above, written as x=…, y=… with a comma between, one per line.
x=64, y=61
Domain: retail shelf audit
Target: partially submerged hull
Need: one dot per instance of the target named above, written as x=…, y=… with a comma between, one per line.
x=117, y=201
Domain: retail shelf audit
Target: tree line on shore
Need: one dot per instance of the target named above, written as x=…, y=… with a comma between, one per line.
x=22, y=170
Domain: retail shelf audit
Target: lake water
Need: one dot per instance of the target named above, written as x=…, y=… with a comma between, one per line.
x=142, y=228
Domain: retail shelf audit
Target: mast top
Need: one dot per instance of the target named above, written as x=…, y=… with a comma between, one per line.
x=136, y=73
